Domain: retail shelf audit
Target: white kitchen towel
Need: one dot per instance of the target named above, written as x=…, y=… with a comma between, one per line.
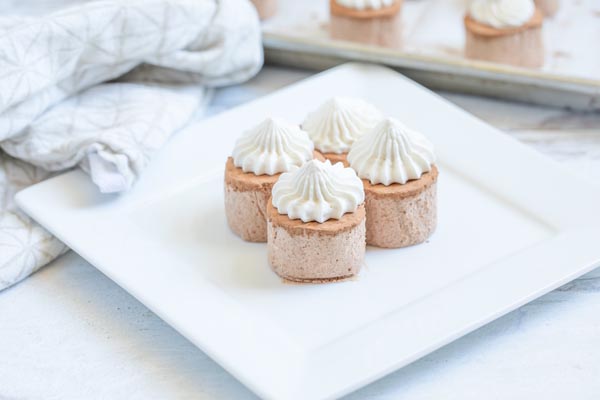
x=58, y=112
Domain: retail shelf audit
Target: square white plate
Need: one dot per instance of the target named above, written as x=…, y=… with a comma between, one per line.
x=513, y=225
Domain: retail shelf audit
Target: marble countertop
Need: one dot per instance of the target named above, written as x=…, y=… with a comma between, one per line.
x=68, y=332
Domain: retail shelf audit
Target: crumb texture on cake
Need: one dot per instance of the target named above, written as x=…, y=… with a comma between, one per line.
x=313, y=252
x=400, y=216
x=246, y=198
x=246, y=213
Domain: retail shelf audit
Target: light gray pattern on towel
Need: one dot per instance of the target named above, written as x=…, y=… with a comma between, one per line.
x=57, y=112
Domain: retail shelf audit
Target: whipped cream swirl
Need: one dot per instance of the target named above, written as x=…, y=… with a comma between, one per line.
x=318, y=191
x=336, y=124
x=502, y=13
x=391, y=153
x=271, y=147
x=365, y=4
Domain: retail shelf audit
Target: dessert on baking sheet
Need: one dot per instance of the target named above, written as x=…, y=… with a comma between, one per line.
x=505, y=31
x=371, y=22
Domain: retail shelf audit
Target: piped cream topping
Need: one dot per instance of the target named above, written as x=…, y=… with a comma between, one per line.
x=391, y=153
x=337, y=123
x=271, y=147
x=365, y=4
x=502, y=13
x=318, y=191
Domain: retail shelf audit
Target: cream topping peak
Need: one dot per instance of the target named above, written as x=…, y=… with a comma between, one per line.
x=338, y=122
x=318, y=191
x=271, y=147
x=391, y=153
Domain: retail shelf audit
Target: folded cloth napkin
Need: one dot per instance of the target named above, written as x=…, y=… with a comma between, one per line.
x=58, y=112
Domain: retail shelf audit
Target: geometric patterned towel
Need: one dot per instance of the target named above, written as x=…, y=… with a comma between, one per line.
x=60, y=106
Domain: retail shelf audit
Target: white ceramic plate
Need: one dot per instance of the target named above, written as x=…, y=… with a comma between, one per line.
x=512, y=226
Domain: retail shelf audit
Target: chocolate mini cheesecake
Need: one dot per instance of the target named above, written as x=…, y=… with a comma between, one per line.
x=506, y=32
x=259, y=157
x=316, y=224
x=265, y=8
x=548, y=7
x=376, y=22
x=396, y=166
x=337, y=123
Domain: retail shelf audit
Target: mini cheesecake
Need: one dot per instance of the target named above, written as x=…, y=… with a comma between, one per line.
x=316, y=224
x=400, y=180
x=503, y=37
x=265, y=8
x=337, y=123
x=548, y=7
x=376, y=22
x=259, y=157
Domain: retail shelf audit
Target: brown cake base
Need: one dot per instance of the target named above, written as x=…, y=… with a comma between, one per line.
x=335, y=157
x=548, y=7
x=520, y=46
x=381, y=27
x=266, y=8
x=401, y=215
x=316, y=253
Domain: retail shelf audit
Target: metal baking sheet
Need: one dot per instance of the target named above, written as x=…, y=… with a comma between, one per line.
x=432, y=51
